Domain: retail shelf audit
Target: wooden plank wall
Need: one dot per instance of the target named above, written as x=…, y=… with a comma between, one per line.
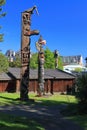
x=51, y=85
x=7, y=86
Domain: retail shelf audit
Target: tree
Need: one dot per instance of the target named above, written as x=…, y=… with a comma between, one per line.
x=49, y=59
x=78, y=69
x=60, y=63
x=34, y=61
x=81, y=83
x=2, y=2
x=16, y=62
x=3, y=63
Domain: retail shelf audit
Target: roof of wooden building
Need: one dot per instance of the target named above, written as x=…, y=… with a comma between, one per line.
x=14, y=73
x=5, y=76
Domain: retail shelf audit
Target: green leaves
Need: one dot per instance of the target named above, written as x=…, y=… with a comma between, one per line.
x=16, y=62
x=2, y=2
x=82, y=93
x=3, y=63
x=1, y=37
x=34, y=61
x=2, y=15
x=49, y=60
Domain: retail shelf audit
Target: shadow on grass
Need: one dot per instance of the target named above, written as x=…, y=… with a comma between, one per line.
x=81, y=119
x=70, y=110
x=41, y=100
x=65, y=107
x=8, y=122
x=14, y=101
x=32, y=112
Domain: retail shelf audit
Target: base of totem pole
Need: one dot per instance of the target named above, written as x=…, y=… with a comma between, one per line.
x=44, y=95
x=40, y=94
x=26, y=100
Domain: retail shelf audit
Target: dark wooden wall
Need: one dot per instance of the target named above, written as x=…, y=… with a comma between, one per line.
x=8, y=86
x=51, y=85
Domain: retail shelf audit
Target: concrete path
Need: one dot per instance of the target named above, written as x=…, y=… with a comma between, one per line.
x=48, y=116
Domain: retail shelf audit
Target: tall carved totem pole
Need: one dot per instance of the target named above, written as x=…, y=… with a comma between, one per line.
x=56, y=55
x=39, y=46
x=25, y=51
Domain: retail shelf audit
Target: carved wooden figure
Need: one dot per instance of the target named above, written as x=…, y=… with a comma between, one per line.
x=25, y=51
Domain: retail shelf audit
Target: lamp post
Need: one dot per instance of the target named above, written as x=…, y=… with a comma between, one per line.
x=39, y=46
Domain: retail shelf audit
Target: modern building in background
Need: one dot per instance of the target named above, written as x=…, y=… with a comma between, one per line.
x=18, y=54
x=77, y=59
x=10, y=54
x=71, y=63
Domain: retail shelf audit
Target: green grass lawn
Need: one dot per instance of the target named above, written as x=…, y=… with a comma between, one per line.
x=79, y=119
x=8, y=122
x=11, y=122
x=11, y=98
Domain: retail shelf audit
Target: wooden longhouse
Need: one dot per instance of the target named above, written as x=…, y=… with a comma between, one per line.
x=55, y=80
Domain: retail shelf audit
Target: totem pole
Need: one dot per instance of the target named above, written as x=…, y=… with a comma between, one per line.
x=39, y=46
x=56, y=54
x=25, y=51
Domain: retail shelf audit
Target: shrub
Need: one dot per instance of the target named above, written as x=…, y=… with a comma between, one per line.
x=82, y=93
x=3, y=63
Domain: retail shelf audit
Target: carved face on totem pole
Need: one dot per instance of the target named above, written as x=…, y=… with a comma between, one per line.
x=26, y=33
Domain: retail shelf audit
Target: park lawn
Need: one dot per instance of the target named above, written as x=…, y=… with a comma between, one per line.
x=54, y=99
x=8, y=122
x=11, y=99
x=79, y=119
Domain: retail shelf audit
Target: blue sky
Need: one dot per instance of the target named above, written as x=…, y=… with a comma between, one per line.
x=62, y=23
